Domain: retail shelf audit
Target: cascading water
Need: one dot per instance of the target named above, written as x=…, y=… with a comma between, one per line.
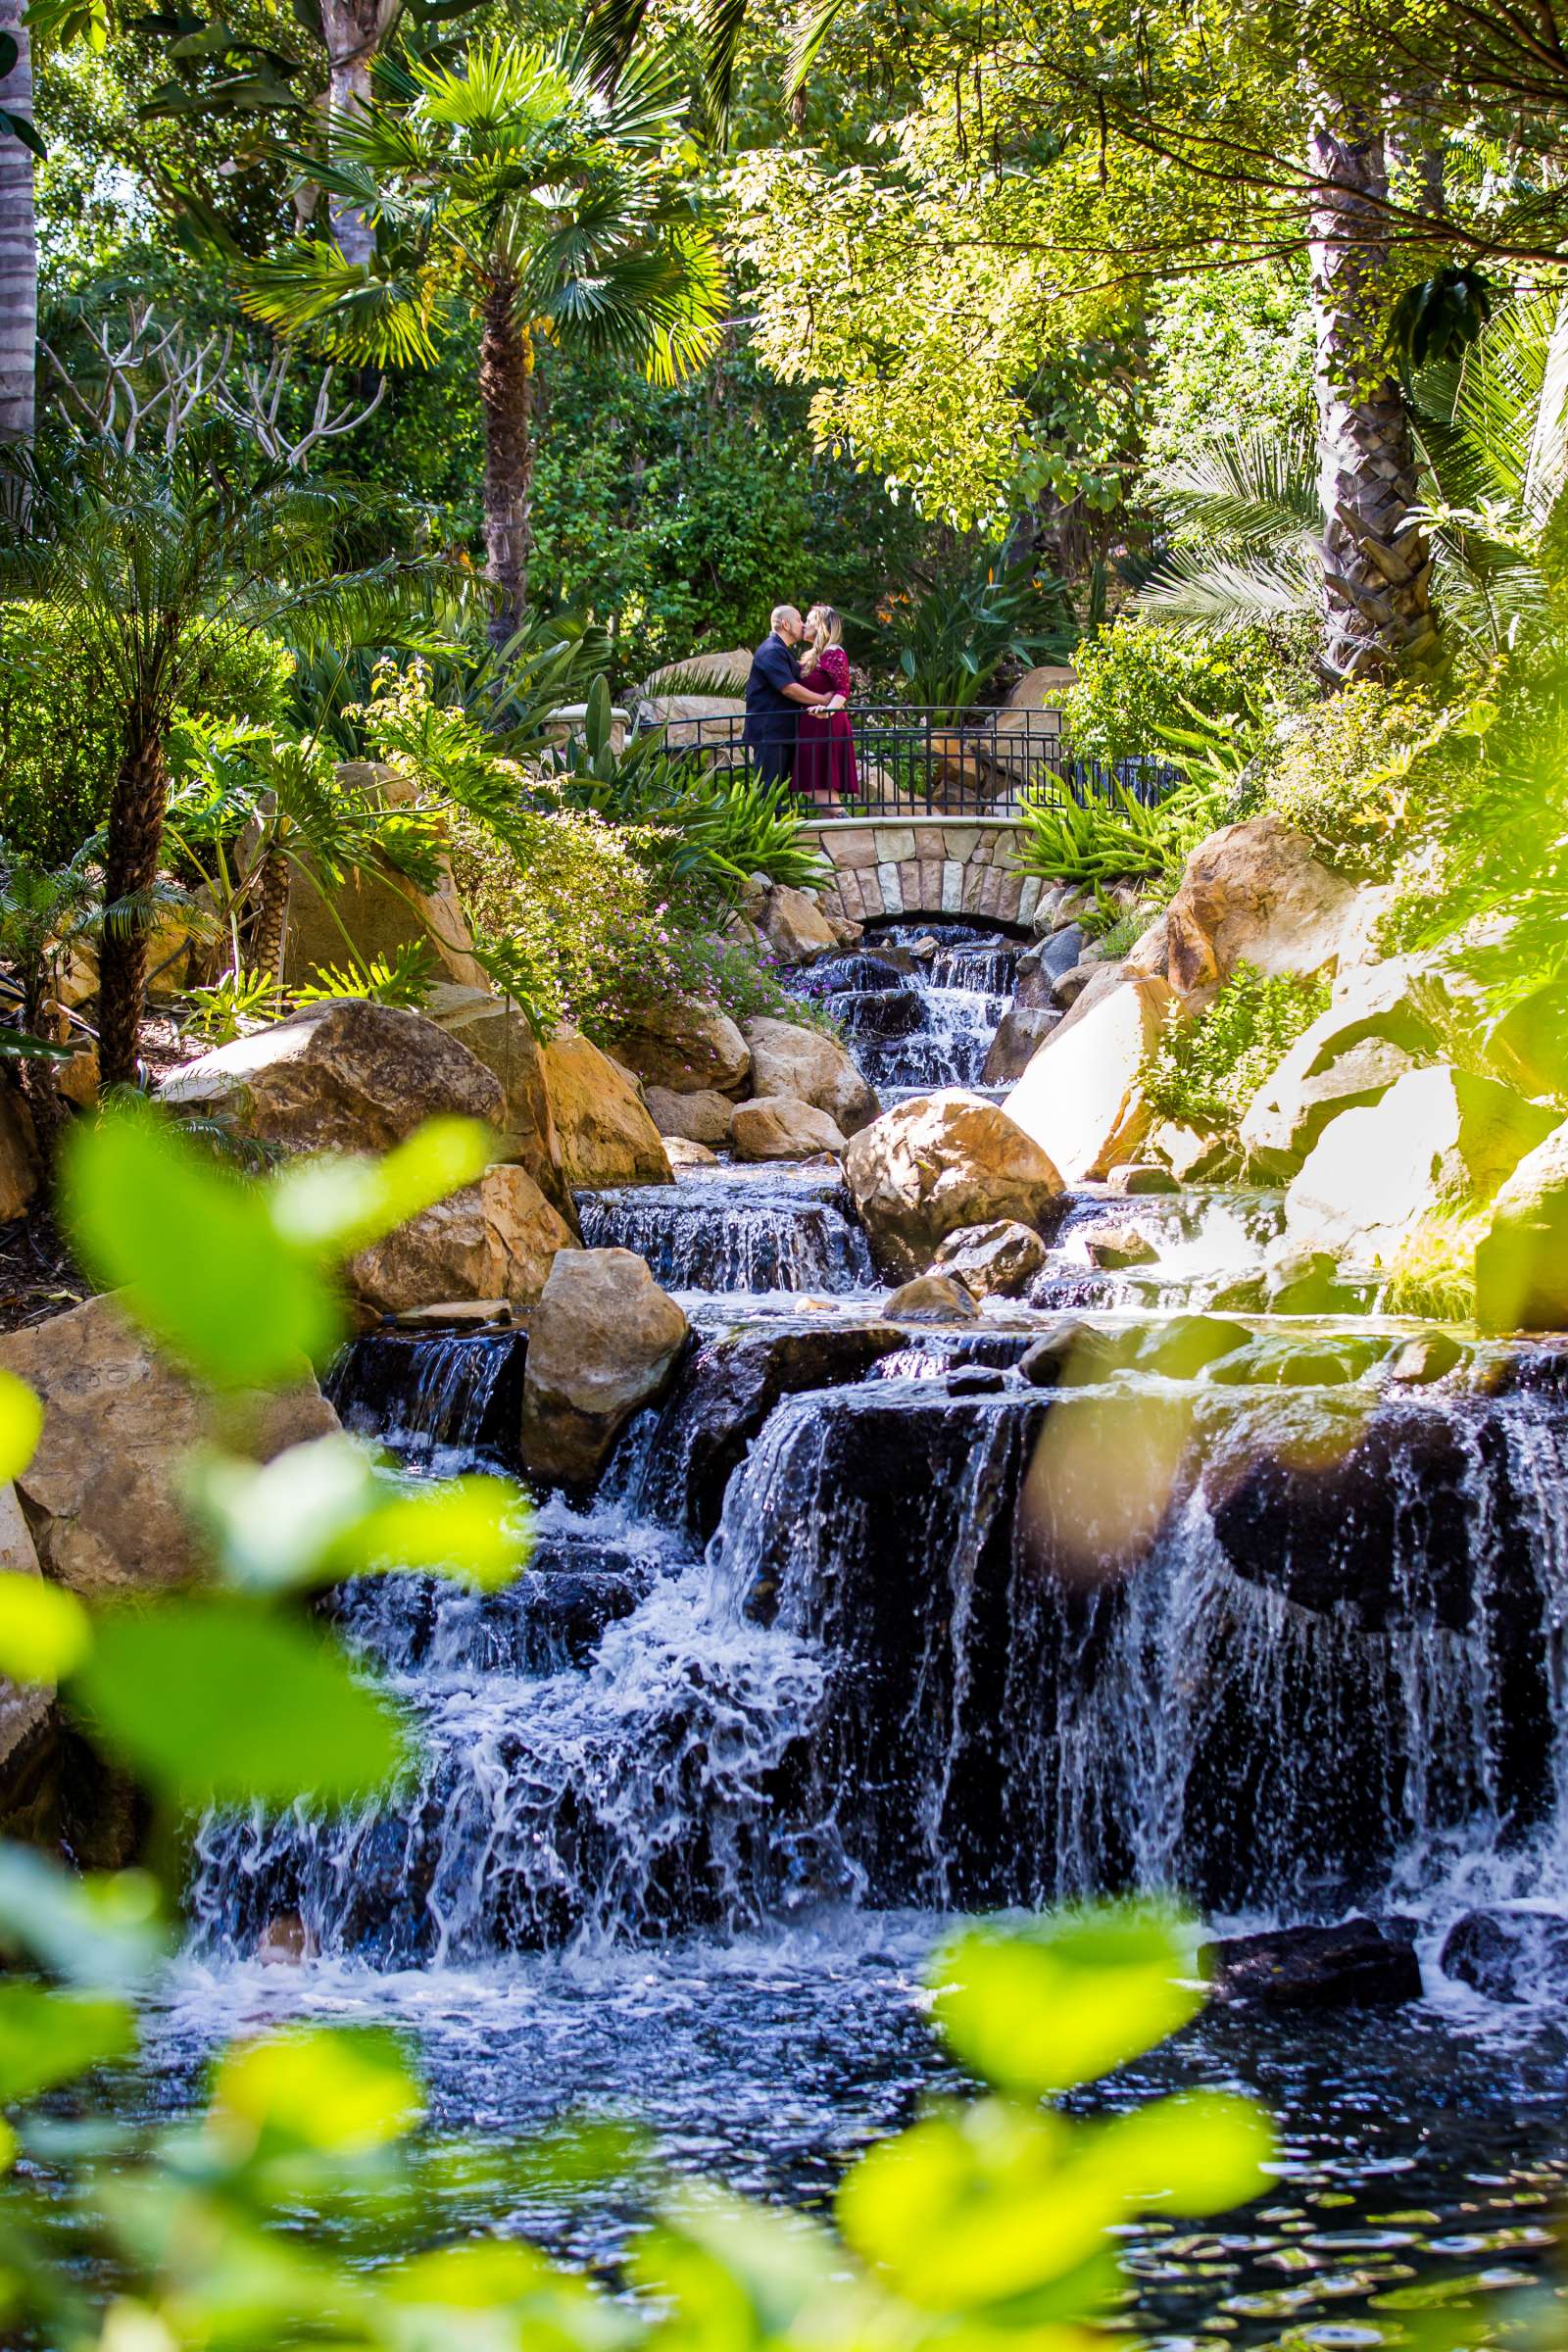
x=850, y=1625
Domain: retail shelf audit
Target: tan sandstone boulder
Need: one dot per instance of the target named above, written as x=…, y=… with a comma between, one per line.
x=497, y=1032
x=101, y=1493
x=703, y=1117
x=602, y=1341
x=1369, y=1038
x=794, y=925
x=380, y=910
x=23, y=1706
x=20, y=1167
x=602, y=1126
x=1254, y=893
x=686, y=1047
x=496, y=1239
x=685, y=1154
x=1437, y=1138
x=788, y=1059
x=346, y=1077
x=995, y=1261
x=1079, y=1098
x=931, y=1298
x=942, y=1162
x=781, y=1127
x=1522, y=1260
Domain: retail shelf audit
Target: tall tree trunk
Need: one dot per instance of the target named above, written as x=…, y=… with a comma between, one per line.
x=505, y=393
x=353, y=31
x=135, y=837
x=1377, y=569
x=272, y=914
x=19, y=244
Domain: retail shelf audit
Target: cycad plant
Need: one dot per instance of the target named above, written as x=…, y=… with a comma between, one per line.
x=547, y=206
x=153, y=559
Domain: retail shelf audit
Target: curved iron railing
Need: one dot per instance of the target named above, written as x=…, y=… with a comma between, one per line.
x=914, y=760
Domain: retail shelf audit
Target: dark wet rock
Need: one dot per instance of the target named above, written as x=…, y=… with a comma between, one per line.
x=1187, y=1344
x=1432, y=1356
x=1302, y=1281
x=1244, y=1297
x=976, y=1380
x=1062, y=950
x=1329, y=1363
x=726, y=1393
x=995, y=1260
x=877, y=1016
x=1508, y=1955
x=1076, y=1354
x=1020, y=1033
x=1116, y=1246
x=1358, y=1965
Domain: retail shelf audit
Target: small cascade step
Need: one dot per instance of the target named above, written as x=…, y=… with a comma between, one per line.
x=914, y=1020
x=742, y=1230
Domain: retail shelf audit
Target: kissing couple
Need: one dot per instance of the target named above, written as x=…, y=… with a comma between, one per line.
x=797, y=727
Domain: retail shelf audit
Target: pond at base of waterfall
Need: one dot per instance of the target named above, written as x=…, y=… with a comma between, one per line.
x=824, y=1663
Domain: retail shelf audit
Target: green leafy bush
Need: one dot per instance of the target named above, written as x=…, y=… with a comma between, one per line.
x=59, y=747
x=1432, y=1271
x=1138, y=678
x=1356, y=774
x=1203, y=1073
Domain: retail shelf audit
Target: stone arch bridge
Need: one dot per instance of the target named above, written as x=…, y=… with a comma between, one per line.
x=961, y=868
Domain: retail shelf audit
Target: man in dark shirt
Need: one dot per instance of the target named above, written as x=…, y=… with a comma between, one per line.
x=775, y=697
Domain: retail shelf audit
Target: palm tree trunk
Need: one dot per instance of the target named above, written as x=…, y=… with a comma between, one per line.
x=136, y=837
x=19, y=245
x=505, y=393
x=267, y=952
x=1377, y=569
x=353, y=31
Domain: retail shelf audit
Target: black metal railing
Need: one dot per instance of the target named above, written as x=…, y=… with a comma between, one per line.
x=921, y=761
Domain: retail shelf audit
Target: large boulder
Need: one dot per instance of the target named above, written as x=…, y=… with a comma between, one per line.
x=1079, y=1099
x=380, y=910
x=995, y=1261
x=345, y=1076
x=1438, y=1139
x=794, y=925
x=700, y=1118
x=1316, y=1080
x=23, y=1706
x=931, y=1298
x=1522, y=1258
x=1508, y=1954
x=1022, y=1030
x=1357, y=1965
x=787, y=1059
x=102, y=1494
x=601, y=1125
x=497, y=1032
x=1254, y=893
x=686, y=1047
x=782, y=1127
x=1529, y=1042
x=602, y=1341
x=496, y=1239
x=19, y=1168
x=939, y=1163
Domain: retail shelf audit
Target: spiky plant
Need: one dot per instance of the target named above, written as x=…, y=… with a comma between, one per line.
x=546, y=206
x=153, y=559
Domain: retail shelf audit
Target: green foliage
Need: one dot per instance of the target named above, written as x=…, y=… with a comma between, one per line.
x=1247, y=330
x=61, y=736
x=219, y=1011
x=1354, y=773
x=1432, y=1271
x=946, y=636
x=1137, y=679
x=405, y=978
x=1113, y=836
x=1203, y=1073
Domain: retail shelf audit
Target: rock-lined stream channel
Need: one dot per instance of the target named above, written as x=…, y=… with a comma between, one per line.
x=812, y=1670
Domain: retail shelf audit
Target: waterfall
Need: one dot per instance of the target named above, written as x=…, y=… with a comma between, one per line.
x=847, y=1619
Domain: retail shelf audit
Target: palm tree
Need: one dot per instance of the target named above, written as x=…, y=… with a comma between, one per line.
x=1376, y=563
x=19, y=233
x=548, y=204
x=155, y=558
x=1491, y=460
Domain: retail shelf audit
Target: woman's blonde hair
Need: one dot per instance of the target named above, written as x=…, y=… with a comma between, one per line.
x=825, y=626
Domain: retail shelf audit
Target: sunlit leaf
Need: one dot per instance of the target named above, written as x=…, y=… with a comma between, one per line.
x=322, y=1511
x=343, y=1204
x=216, y=1699
x=1048, y=2007
x=94, y=1930
x=347, y=2092
x=21, y=1423
x=1197, y=2154
x=44, y=1632
x=50, y=2037
x=196, y=1254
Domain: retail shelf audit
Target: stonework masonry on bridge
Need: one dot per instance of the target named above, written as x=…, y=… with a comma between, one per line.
x=930, y=865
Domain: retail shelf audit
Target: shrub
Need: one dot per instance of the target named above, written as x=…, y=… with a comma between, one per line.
x=59, y=745
x=1116, y=837
x=1203, y=1073
x=1432, y=1271
x=1356, y=774
x=1139, y=678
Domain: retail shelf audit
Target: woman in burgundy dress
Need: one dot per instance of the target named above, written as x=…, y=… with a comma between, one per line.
x=824, y=755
